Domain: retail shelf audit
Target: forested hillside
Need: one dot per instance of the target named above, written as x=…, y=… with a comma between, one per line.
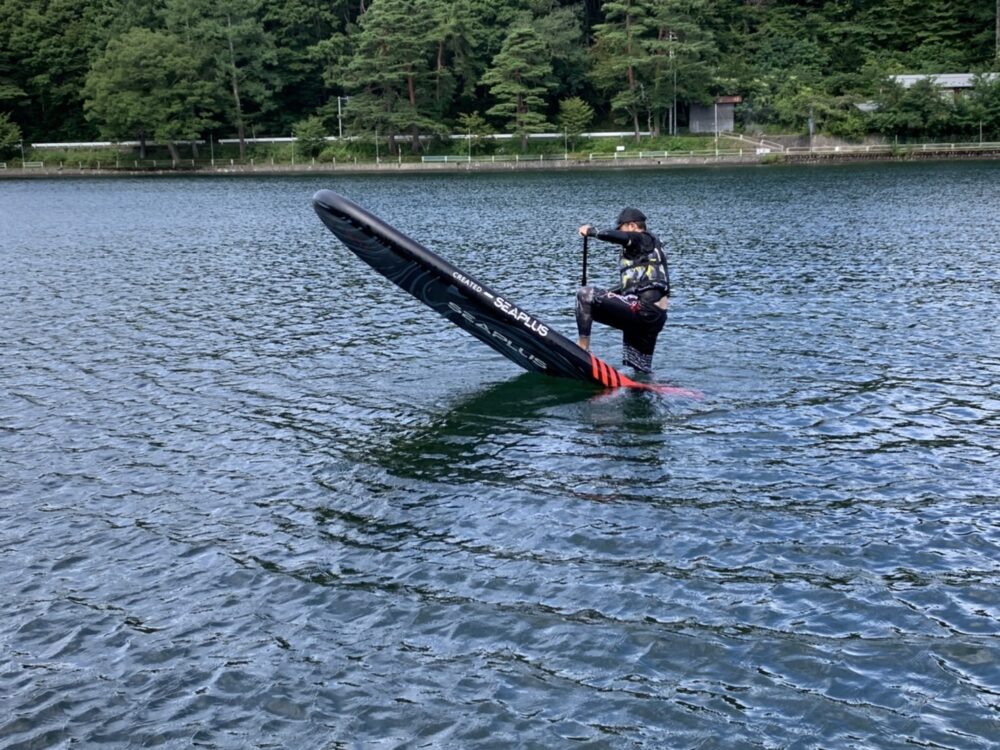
x=171, y=70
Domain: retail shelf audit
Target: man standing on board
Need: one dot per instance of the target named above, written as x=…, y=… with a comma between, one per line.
x=638, y=307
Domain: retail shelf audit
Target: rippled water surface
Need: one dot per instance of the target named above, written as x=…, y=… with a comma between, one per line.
x=251, y=496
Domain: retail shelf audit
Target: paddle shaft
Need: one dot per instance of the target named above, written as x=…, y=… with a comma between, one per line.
x=584, y=281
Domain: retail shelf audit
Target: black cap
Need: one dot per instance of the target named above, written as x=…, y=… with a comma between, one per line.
x=630, y=214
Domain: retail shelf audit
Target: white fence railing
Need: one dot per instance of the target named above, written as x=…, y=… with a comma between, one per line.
x=516, y=158
x=753, y=151
x=887, y=148
x=698, y=153
x=755, y=143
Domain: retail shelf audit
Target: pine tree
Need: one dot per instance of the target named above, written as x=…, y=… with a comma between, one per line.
x=458, y=36
x=389, y=71
x=297, y=27
x=520, y=77
x=562, y=30
x=622, y=61
x=230, y=36
x=575, y=115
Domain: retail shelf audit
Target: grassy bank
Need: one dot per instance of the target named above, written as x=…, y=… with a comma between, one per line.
x=358, y=151
x=286, y=158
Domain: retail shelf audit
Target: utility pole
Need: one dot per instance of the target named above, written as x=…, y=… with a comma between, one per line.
x=716, y=127
x=340, y=124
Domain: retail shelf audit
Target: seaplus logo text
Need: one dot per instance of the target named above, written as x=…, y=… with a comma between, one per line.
x=521, y=317
x=495, y=334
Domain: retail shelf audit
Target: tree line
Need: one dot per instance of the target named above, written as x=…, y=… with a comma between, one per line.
x=409, y=70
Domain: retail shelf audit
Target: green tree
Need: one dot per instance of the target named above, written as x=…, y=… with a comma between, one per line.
x=561, y=28
x=10, y=134
x=845, y=120
x=787, y=67
x=475, y=127
x=930, y=36
x=46, y=47
x=297, y=27
x=917, y=111
x=147, y=84
x=310, y=135
x=575, y=116
x=979, y=111
x=388, y=72
x=113, y=18
x=11, y=95
x=682, y=54
x=229, y=35
x=519, y=78
x=796, y=102
x=621, y=59
x=458, y=38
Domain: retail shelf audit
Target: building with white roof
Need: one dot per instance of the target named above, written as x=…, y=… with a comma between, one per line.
x=954, y=82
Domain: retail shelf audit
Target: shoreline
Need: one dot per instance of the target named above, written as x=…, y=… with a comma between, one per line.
x=776, y=158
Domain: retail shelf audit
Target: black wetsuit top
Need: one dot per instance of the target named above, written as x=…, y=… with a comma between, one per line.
x=642, y=265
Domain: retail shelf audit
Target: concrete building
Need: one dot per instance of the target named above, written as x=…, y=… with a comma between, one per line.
x=955, y=83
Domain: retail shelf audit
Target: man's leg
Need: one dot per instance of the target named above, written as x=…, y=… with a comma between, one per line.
x=639, y=340
x=585, y=297
x=594, y=303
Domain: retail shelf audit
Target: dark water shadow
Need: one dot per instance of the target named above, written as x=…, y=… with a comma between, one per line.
x=479, y=424
x=494, y=433
x=522, y=396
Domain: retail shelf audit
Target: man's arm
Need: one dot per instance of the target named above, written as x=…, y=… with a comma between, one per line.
x=628, y=240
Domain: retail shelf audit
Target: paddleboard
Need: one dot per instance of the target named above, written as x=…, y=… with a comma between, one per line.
x=461, y=298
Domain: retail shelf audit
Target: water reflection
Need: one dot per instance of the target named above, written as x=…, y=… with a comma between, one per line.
x=493, y=434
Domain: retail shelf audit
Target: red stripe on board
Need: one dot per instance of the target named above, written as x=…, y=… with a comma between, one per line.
x=604, y=372
x=616, y=378
x=608, y=375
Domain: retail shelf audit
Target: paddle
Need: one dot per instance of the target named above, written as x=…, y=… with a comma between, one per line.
x=584, y=282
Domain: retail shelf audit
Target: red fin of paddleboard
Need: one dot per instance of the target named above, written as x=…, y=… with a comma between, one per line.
x=608, y=376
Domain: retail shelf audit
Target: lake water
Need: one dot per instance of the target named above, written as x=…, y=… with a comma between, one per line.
x=252, y=496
